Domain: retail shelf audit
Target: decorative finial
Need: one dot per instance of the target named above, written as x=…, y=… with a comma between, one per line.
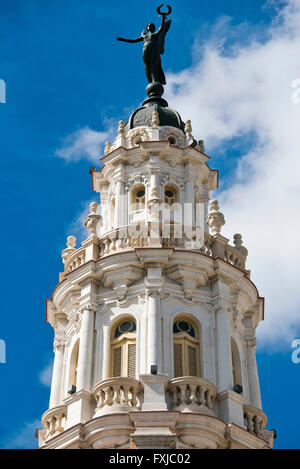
x=201, y=146
x=121, y=128
x=188, y=128
x=155, y=119
x=238, y=241
x=154, y=43
x=71, y=243
x=107, y=148
x=215, y=219
x=91, y=221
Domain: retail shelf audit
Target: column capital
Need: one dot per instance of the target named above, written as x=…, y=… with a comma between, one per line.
x=154, y=291
x=221, y=304
x=58, y=343
x=87, y=307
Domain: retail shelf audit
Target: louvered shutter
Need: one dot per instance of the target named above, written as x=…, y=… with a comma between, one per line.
x=192, y=357
x=131, y=360
x=117, y=361
x=178, y=371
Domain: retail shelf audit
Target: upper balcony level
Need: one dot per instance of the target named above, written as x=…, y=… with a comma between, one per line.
x=160, y=233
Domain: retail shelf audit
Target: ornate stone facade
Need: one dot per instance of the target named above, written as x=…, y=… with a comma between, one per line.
x=155, y=313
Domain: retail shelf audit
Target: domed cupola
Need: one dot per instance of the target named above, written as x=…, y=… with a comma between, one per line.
x=143, y=115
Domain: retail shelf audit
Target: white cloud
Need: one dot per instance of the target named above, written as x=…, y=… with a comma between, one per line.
x=84, y=144
x=24, y=438
x=45, y=375
x=249, y=92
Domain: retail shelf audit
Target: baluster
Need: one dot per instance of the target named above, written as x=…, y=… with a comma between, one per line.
x=249, y=423
x=256, y=424
x=47, y=428
x=107, y=392
x=133, y=396
x=106, y=244
x=202, y=396
x=113, y=244
x=117, y=394
x=209, y=400
x=182, y=393
x=100, y=397
x=59, y=427
x=126, y=400
x=193, y=398
x=52, y=425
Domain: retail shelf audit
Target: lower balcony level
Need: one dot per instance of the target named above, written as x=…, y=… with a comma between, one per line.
x=126, y=413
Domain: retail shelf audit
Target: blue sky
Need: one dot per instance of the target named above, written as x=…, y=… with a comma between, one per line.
x=68, y=82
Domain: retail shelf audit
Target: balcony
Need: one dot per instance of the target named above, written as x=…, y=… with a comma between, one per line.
x=116, y=395
x=256, y=420
x=192, y=394
x=54, y=421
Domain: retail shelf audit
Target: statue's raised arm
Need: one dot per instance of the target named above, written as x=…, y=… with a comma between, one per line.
x=154, y=42
x=139, y=39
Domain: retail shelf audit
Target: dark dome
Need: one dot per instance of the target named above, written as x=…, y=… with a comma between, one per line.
x=143, y=115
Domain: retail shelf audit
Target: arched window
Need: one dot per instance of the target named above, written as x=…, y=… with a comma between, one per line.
x=236, y=364
x=123, y=349
x=74, y=366
x=170, y=195
x=138, y=198
x=186, y=349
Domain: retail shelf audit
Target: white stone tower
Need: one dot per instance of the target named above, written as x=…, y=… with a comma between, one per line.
x=155, y=313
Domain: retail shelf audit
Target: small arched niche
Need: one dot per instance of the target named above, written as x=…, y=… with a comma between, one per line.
x=73, y=366
x=236, y=364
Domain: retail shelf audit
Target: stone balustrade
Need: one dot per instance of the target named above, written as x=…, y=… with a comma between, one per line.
x=54, y=421
x=235, y=257
x=76, y=259
x=160, y=235
x=256, y=420
x=117, y=395
x=191, y=393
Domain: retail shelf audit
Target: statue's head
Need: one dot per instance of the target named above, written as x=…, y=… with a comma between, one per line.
x=150, y=27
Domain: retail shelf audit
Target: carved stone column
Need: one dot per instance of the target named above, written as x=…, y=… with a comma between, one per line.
x=56, y=383
x=253, y=380
x=223, y=348
x=120, y=218
x=154, y=329
x=86, y=348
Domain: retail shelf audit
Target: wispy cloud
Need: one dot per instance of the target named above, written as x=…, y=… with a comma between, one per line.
x=45, y=375
x=23, y=438
x=85, y=143
x=247, y=91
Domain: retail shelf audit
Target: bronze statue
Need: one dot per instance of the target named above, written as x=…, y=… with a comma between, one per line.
x=154, y=42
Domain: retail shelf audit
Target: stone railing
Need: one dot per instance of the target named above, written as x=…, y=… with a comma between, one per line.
x=159, y=235
x=256, y=420
x=234, y=257
x=76, y=259
x=193, y=393
x=54, y=421
x=117, y=395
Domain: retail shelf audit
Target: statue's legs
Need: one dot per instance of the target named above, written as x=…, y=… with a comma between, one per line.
x=157, y=73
